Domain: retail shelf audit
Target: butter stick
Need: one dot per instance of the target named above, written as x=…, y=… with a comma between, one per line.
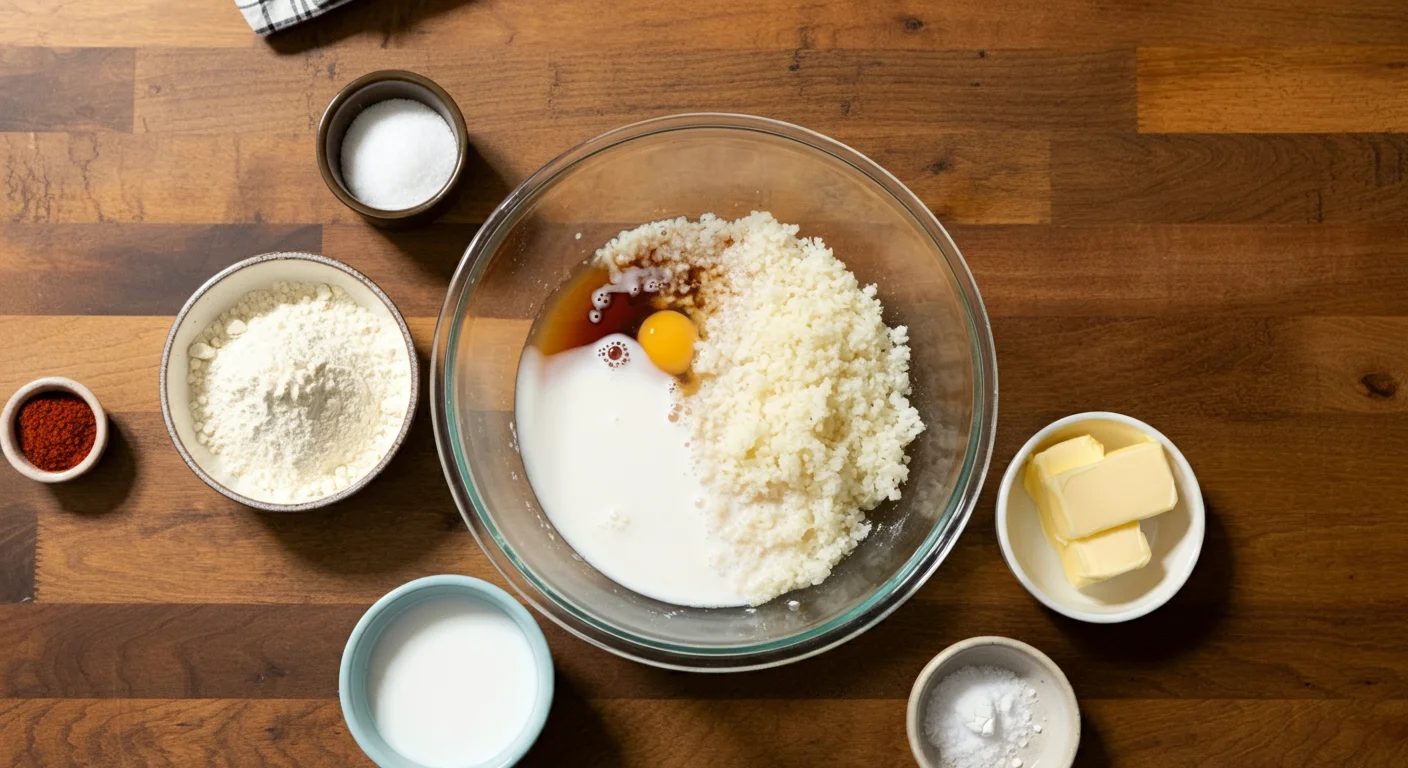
x=1101, y=556
x=1062, y=457
x=1126, y=485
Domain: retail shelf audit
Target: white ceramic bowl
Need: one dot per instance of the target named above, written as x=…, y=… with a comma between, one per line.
x=222, y=292
x=10, y=444
x=1055, y=707
x=1175, y=537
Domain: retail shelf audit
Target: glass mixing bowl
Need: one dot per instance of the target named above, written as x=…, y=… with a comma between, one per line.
x=729, y=165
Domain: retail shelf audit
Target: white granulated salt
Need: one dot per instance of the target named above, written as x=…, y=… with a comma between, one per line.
x=981, y=717
x=299, y=390
x=397, y=154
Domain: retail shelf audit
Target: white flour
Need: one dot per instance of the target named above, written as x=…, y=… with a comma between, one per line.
x=299, y=390
x=981, y=717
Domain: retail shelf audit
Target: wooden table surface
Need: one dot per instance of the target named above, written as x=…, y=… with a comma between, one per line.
x=1194, y=212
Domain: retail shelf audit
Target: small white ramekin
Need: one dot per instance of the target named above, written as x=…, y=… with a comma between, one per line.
x=9, y=443
x=1175, y=537
x=1055, y=706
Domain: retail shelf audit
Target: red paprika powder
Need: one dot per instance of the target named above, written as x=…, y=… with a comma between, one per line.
x=56, y=430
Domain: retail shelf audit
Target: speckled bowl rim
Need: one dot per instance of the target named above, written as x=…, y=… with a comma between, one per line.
x=10, y=445
x=365, y=479
x=457, y=126
x=1191, y=491
x=403, y=597
x=915, y=730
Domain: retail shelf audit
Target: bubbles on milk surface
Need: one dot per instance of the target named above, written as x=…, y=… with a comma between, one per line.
x=614, y=353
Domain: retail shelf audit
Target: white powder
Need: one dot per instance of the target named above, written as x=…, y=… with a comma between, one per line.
x=802, y=416
x=299, y=390
x=981, y=717
x=397, y=154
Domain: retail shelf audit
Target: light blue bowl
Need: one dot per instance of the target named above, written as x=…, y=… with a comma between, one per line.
x=356, y=659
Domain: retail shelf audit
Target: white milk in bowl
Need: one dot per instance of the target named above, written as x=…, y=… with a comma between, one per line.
x=452, y=682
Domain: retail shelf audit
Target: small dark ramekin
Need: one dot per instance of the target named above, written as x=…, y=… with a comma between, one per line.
x=363, y=92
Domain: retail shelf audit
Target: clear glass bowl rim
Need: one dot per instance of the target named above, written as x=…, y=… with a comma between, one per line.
x=899, y=588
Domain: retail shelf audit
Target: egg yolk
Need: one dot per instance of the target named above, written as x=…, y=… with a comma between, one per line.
x=668, y=338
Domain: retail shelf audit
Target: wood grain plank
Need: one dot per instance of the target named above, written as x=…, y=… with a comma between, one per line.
x=413, y=266
x=1198, y=733
x=976, y=178
x=941, y=90
x=914, y=24
x=590, y=732
x=174, y=651
x=61, y=178
x=196, y=90
x=271, y=178
x=1186, y=652
x=1188, y=270
x=186, y=179
x=126, y=269
x=1189, y=649
x=1273, y=90
x=19, y=532
x=752, y=731
x=116, y=357
x=1200, y=178
x=131, y=23
x=1236, y=367
x=139, y=521
x=872, y=733
x=579, y=24
x=110, y=539
x=193, y=90
x=208, y=732
x=86, y=89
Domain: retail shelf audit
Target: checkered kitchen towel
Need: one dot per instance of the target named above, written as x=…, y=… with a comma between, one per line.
x=273, y=15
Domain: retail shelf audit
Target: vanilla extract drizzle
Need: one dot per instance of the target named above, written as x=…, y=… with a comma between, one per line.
x=633, y=281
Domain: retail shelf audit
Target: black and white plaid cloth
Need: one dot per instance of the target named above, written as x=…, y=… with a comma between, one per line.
x=273, y=15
